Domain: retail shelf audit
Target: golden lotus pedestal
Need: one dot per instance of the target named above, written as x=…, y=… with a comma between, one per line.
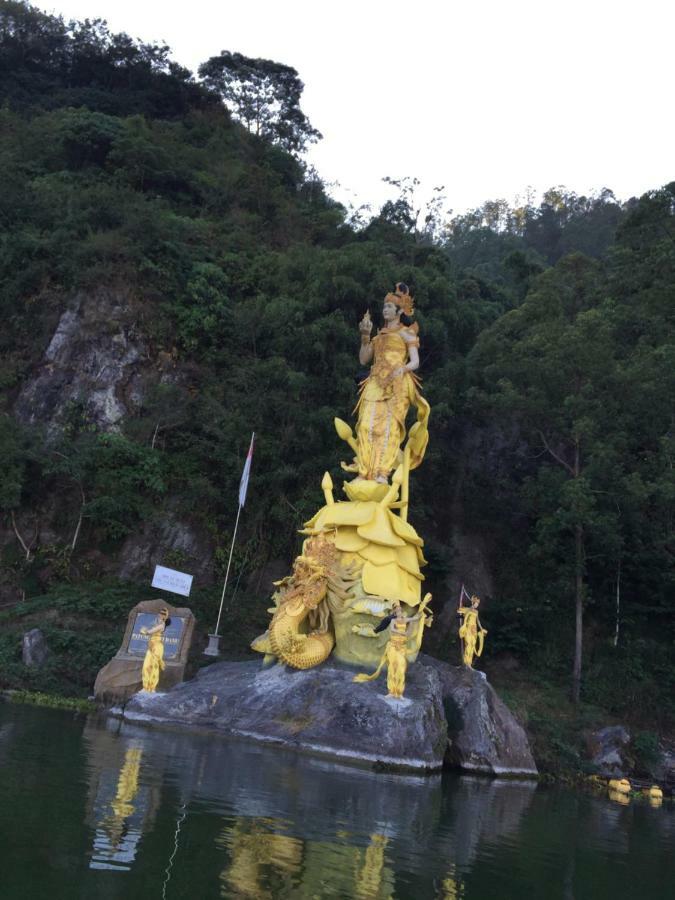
x=360, y=559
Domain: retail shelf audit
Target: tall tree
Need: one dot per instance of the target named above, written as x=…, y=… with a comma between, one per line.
x=264, y=96
x=550, y=366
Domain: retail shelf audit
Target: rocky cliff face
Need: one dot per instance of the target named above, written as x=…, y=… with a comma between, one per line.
x=99, y=364
x=95, y=358
x=166, y=533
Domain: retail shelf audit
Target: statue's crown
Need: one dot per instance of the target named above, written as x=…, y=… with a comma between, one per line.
x=401, y=297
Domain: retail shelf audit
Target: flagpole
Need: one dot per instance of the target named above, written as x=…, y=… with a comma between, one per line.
x=213, y=648
x=462, y=593
x=227, y=571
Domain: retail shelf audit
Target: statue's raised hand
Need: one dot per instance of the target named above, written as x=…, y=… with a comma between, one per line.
x=366, y=325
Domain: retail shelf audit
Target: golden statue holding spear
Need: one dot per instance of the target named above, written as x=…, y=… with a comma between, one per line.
x=471, y=632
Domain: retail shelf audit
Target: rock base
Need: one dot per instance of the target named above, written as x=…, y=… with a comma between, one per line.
x=320, y=711
x=483, y=734
x=449, y=715
x=122, y=677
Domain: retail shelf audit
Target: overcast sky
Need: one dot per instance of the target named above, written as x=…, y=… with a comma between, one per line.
x=485, y=97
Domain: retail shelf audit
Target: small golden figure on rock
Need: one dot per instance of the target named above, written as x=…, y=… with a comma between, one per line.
x=153, y=664
x=400, y=630
x=471, y=632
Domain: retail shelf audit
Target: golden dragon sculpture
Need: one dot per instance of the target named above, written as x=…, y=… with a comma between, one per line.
x=300, y=633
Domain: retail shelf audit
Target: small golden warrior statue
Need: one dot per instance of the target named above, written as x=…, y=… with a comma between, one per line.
x=394, y=656
x=471, y=632
x=153, y=664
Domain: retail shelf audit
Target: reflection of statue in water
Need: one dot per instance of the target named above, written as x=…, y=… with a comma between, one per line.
x=369, y=878
x=452, y=887
x=388, y=391
x=255, y=853
x=122, y=806
x=153, y=664
x=471, y=632
x=394, y=656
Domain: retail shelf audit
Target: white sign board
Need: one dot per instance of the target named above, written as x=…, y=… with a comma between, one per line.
x=172, y=580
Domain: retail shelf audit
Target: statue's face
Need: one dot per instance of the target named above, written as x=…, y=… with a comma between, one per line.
x=390, y=311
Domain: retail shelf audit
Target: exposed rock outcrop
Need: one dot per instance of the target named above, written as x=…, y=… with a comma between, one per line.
x=316, y=710
x=483, y=735
x=158, y=539
x=663, y=768
x=92, y=360
x=98, y=363
x=34, y=650
x=608, y=748
x=322, y=711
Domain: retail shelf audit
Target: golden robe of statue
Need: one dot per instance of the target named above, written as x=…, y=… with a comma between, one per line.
x=386, y=396
x=153, y=664
x=394, y=656
x=389, y=391
x=471, y=632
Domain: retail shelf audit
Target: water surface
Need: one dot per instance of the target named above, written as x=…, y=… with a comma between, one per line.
x=93, y=808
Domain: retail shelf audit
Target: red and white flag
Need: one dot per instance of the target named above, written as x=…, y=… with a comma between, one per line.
x=243, y=484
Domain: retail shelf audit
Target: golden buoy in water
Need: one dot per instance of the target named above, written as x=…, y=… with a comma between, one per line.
x=620, y=785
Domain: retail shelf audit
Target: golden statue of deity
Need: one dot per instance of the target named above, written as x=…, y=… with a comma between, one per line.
x=361, y=556
x=388, y=392
x=153, y=664
x=394, y=656
x=471, y=632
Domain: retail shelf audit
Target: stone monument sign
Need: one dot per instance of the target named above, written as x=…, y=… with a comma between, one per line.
x=121, y=677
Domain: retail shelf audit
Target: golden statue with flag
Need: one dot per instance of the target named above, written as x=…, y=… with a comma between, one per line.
x=362, y=558
x=471, y=632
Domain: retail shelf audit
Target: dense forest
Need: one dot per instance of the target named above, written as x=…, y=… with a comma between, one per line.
x=173, y=277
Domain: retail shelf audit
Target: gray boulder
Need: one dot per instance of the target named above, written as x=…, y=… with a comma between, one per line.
x=483, y=734
x=663, y=769
x=608, y=750
x=34, y=651
x=316, y=710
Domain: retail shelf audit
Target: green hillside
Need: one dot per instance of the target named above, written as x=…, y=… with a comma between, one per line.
x=226, y=287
